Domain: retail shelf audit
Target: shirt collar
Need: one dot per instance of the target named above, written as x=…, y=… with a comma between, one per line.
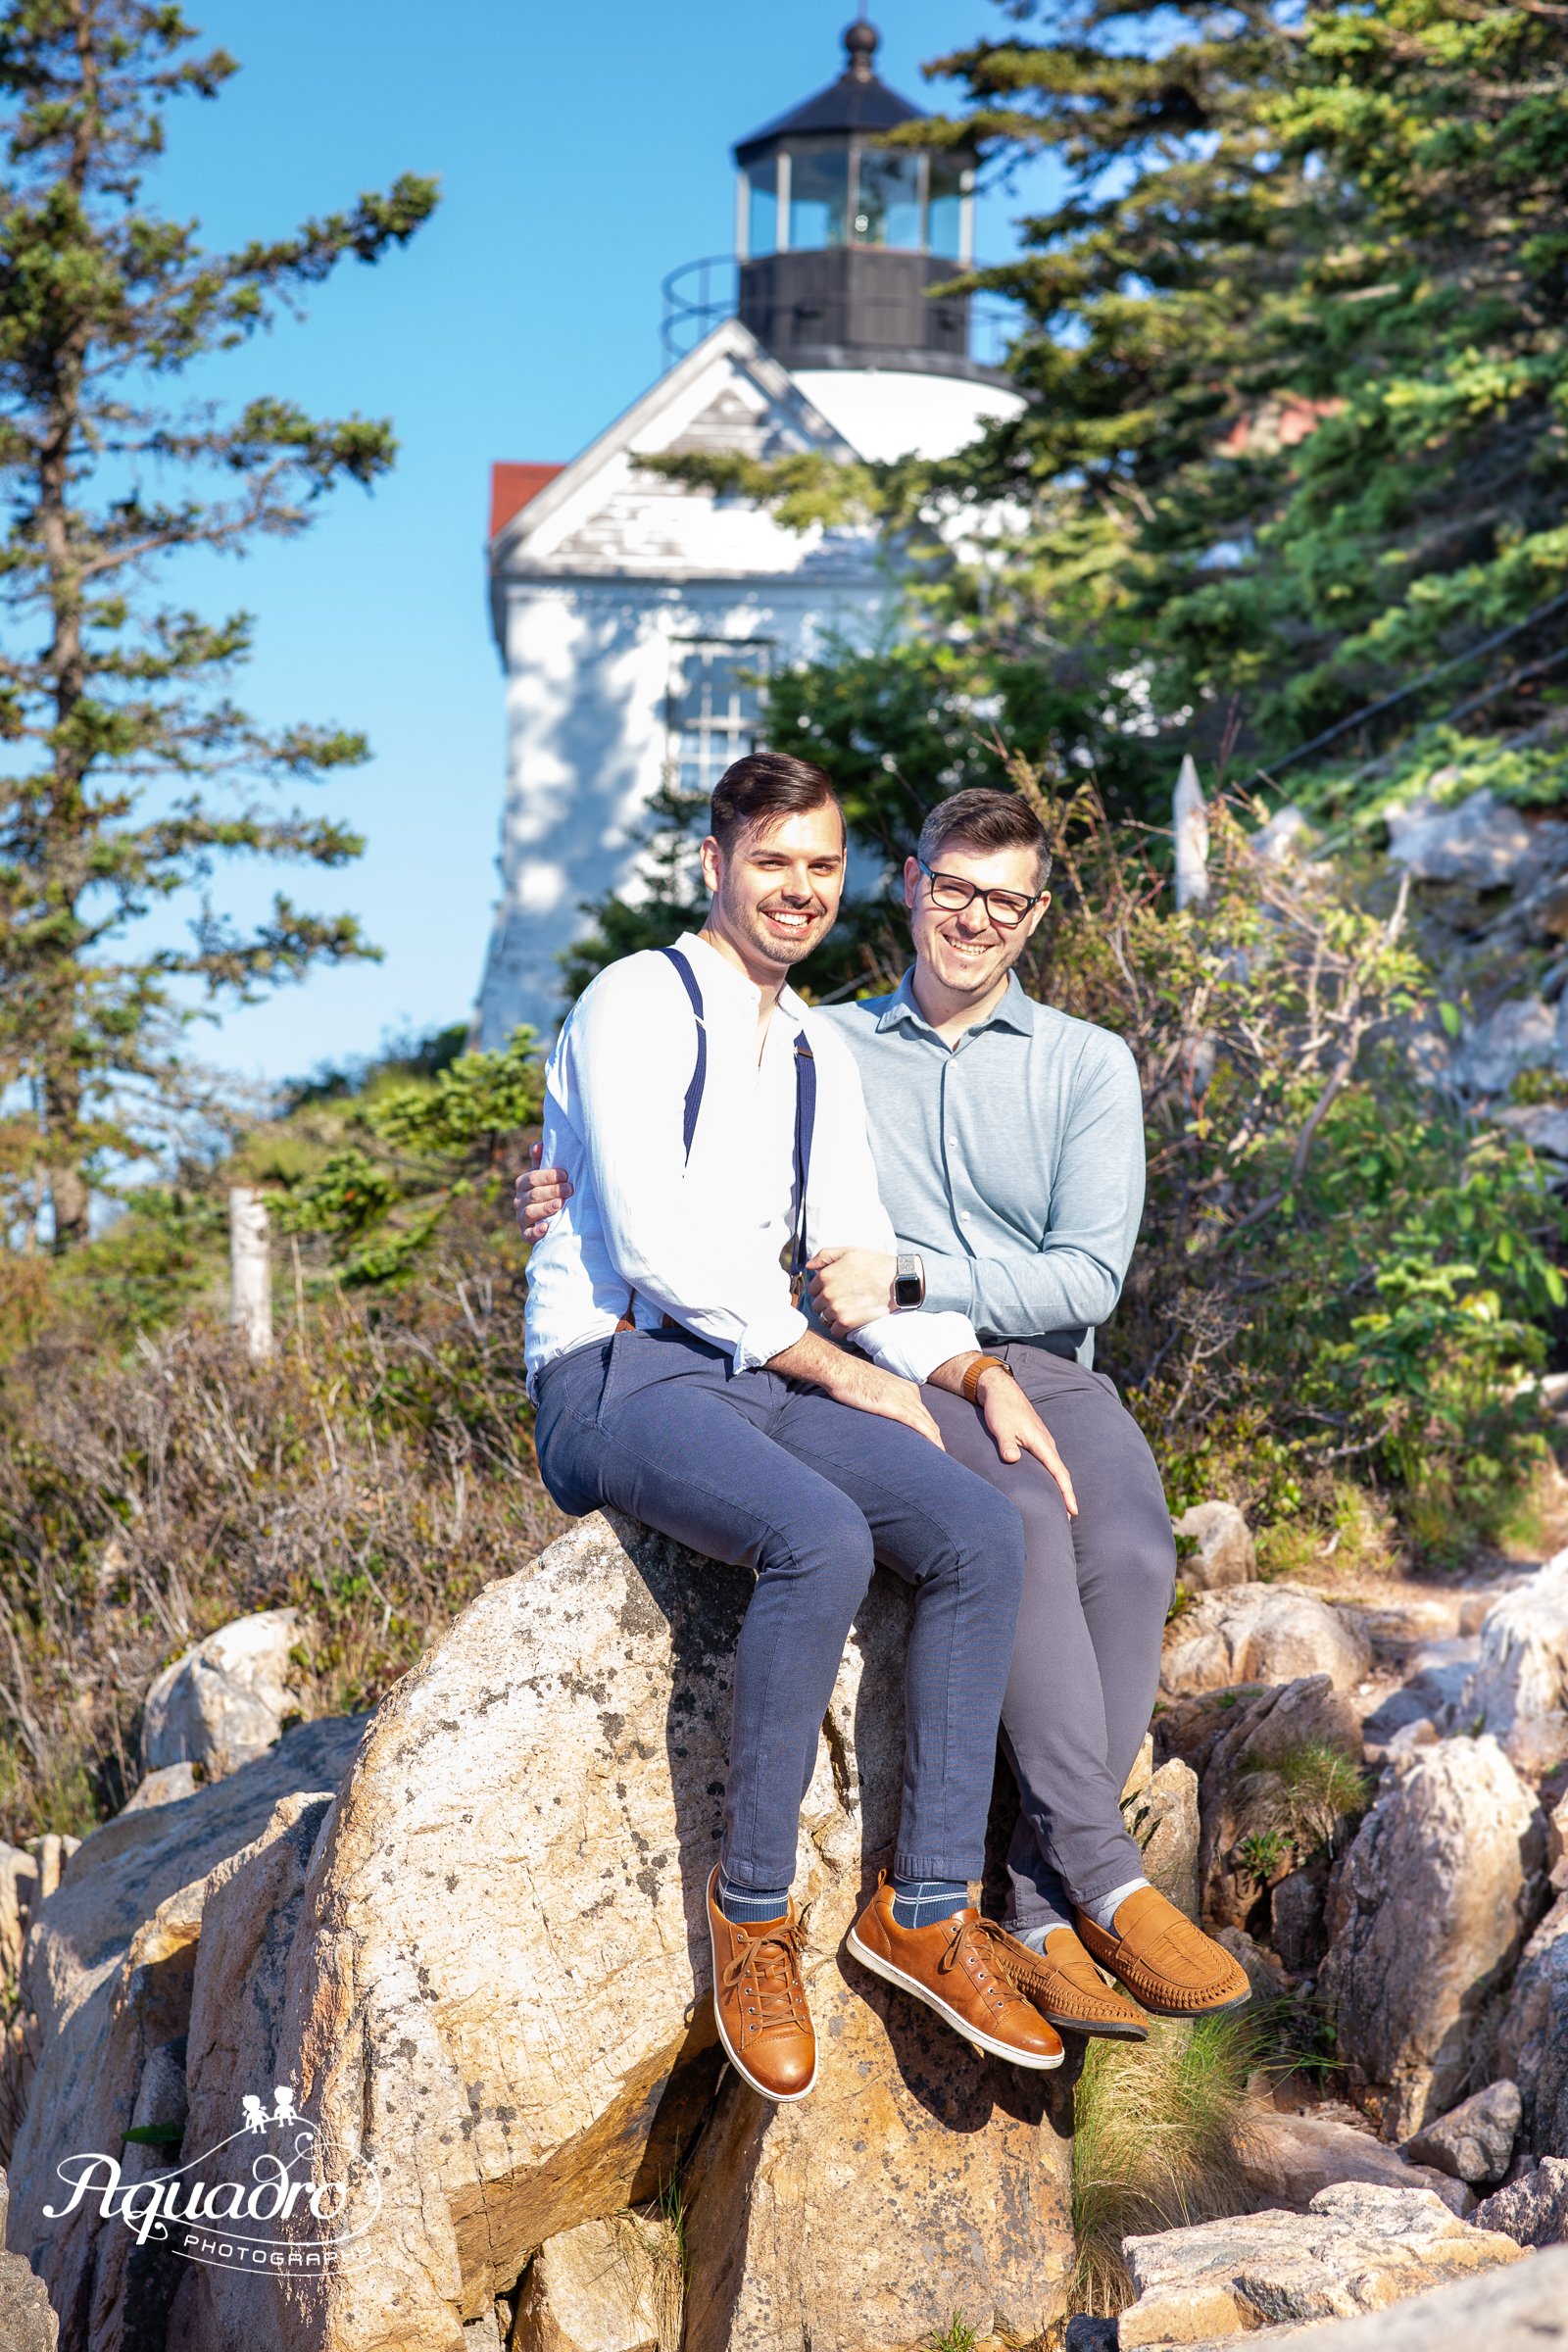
x=714, y=969
x=1015, y=1012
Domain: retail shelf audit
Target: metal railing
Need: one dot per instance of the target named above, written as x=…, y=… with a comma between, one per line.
x=700, y=294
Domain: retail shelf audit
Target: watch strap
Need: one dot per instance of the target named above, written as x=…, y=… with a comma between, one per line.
x=976, y=1371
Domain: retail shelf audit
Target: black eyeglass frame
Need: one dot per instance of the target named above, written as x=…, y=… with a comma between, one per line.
x=958, y=882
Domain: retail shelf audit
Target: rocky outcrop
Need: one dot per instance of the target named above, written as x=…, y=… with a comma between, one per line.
x=1481, y=842
x=1518, y=1691
x=1428, y=1911
x=1532, y=2038
x=1222, y=1551
x=222, y=1703
x=1260, y=1633
x=1475, y=2140
x=107, y=1983
x=1262, y=1781
x=1526, y=2305
x=1532, y=2209
x=1358, y=2248
x=489, y=1988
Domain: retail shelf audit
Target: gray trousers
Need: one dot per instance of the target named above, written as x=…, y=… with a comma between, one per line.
x=768, y=1473
x=1086, y=1662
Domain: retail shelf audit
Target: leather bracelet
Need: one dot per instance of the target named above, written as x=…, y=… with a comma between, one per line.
x=975, y=1373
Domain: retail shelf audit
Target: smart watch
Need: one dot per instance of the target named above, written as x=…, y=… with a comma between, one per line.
x=909, y=1280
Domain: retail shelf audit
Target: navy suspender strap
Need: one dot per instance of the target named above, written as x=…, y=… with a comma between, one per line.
x=699, y=1076
x=804, y=1122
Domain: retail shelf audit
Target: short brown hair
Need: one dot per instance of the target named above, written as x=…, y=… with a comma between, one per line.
x=986, y=819
x=763, y=787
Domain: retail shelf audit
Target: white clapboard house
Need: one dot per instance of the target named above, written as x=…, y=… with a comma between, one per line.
x=634, y=617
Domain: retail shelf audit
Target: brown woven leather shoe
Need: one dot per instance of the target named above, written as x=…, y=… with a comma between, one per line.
x=759, y=2000
x=1172, y=1967
x=952, y=1967
x=1068, y=1989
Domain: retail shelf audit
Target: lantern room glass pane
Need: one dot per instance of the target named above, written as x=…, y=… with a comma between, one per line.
x=887, y=202
x=762, y=206
x=944, y=222
x=819, y=197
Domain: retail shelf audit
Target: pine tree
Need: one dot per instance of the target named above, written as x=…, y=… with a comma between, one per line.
x=113, y=701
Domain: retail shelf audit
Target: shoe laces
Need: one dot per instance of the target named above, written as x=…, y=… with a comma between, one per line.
x=768, y=1966
x=976, y=1943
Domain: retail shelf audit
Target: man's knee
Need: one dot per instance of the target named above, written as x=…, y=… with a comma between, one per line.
x=828, y=1549
x=992, y=1540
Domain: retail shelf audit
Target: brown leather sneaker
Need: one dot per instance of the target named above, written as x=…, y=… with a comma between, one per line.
x=759, y=2000
x=953, y=1968
x=1068, y=1989
x=1172, y=1967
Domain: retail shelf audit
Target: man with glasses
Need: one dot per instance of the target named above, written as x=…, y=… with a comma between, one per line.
x=1009, y=1153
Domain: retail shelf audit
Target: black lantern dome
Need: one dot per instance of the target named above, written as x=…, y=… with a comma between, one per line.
x=838, y=238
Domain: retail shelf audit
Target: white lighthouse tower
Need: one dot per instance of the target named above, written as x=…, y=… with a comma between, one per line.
x=636, y=618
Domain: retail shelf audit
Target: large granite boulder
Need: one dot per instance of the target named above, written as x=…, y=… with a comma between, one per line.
x=1260, y=1633
x=488, y=1987
x=1518, y=1688
x=1428, y=1912
x=106, y=1984
x=1504, y=2310
x=222, y=1703
x=1358, y=2248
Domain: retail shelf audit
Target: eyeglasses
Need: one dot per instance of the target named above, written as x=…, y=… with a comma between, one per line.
x=1005, y=909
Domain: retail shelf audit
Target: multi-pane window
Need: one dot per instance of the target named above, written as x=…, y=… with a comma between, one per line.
x=715, y=700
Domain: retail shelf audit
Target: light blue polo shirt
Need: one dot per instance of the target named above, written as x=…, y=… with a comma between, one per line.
x=1013, y=1161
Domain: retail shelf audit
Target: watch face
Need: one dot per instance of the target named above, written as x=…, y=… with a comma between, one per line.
x=907, y=1289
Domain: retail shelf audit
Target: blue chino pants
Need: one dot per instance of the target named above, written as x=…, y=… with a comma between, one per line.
x=768, y=1473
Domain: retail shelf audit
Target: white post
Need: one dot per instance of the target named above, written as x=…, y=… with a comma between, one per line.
x=1190, y=826
x=251, y=1270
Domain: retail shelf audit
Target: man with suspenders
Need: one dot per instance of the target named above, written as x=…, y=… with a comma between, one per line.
x=712, y=1133
x=1010, y=1151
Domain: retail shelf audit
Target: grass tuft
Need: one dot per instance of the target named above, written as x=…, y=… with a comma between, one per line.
x=1162, y=2138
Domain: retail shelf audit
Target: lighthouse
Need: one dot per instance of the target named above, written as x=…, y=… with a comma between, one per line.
x=638, y=618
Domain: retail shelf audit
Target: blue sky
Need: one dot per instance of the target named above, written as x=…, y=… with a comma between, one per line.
x=582, y=155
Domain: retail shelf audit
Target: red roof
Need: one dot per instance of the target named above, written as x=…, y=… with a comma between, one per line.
x=511, y=487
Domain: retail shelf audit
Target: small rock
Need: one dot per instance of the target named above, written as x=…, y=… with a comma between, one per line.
x=1143, y=1771
x=1163, y=1819
x=27, y=2322
x=1261, y=1634
x=223, y=1702
x=1474, y=2141
x=19, y=1892
x=165, y=1786
x=1359, y=2247
x=1088, y=2335
x=1480, y=840
x=1226, y=1553
x=1426, y=1910
x=594, y=2288
x=1521, y=1034
x=1244, y=1789
x=1263, y=1971
x=1296, y=2156
x=1543, y=1126
x=1534, y=2210
x=1518, y=1691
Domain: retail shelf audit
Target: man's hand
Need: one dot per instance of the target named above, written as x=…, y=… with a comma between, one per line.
x=1015, y=1428
x=852, y=1287
x=852, y=1380
x=538, y=1196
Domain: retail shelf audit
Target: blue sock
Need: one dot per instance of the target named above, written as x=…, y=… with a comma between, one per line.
x=921, y=1902
x=746, y=1909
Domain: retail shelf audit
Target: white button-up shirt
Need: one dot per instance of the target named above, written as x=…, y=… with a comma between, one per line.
x=703, y=1240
